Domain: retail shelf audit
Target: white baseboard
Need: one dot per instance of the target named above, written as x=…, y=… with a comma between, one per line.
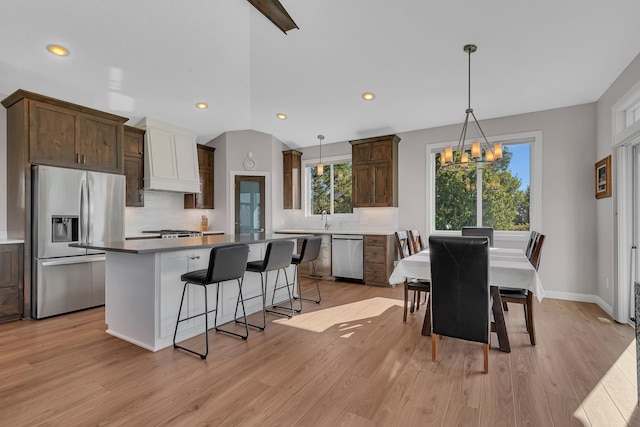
x=595, y=299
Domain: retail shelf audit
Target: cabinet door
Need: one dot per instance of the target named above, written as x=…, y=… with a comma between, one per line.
x=382, y=184
x=204, y=199
x=381, y=151
x=133, y=144
x=361, y=153
x=362, y=186
x=52, y=135
x=133, y=170
x=100, y=144
x=11, y=291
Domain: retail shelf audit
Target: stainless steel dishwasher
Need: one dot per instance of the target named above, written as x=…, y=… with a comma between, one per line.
x=347, y=256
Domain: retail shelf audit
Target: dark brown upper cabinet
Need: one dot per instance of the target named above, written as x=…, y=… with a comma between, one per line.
x=375, y=171
x=204, y=199
x=134, y=165
x=60, y=133
x=292, y=179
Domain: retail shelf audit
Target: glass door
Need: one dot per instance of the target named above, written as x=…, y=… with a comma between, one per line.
x=249, y=204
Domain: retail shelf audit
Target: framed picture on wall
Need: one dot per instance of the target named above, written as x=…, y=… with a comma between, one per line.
x=603, y=178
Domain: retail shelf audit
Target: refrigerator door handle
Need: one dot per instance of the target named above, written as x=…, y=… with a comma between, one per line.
x=89, y=209
x=74, y=260
x=84, y=226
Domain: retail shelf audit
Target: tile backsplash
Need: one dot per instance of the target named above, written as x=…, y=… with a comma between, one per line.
x=163, y=210
x=363, y=219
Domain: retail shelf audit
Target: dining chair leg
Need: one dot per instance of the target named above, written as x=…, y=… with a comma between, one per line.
x=406, y=301
x=426, y=324
x=486, y=357
x=434, y=345
x=532, y=329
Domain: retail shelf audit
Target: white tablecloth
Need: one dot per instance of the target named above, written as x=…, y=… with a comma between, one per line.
x=509, y=268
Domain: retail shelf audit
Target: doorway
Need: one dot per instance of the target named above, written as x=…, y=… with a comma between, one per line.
x=249, y=204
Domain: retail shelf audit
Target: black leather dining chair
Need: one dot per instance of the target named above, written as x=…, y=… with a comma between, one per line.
x=460, y=300
x=277, y=257
x=308, y=253
x=479, y=231
x=226, y=263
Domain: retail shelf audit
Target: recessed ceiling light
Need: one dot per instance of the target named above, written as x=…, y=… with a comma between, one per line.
x=368, y=96
x=202, y=105
x=281, y=116
x=57, y=50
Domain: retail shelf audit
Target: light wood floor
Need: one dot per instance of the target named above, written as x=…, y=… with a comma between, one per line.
x=350, y=361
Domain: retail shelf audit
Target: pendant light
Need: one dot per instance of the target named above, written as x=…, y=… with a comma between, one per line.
x=447, y=159
x=320, y=167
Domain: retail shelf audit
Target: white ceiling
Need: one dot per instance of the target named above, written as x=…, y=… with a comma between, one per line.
x=157, y=58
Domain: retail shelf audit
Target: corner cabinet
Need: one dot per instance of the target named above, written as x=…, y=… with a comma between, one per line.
x=292, y=178
x=375, y=171
x=60, y=133
x=134, y=165
x=170, y=157
x=11, y=282
x=203, y=199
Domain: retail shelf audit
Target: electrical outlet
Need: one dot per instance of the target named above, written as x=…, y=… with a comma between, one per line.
x=607, y=283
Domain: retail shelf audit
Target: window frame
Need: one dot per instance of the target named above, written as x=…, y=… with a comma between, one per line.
x=535, y=182
x=307, y=164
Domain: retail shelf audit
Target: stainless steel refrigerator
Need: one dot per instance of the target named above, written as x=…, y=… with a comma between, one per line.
x=72, y=206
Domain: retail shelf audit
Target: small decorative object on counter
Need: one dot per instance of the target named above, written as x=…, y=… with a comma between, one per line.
x=204, y=223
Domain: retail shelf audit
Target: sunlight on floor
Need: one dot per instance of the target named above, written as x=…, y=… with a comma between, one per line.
x=343, y=315
x=614, y=399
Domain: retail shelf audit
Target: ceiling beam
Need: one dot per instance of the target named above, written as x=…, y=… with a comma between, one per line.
x=276, y=13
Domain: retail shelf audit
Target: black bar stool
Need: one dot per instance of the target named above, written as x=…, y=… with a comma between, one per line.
x=308, y=253
x=225, y=263
x=277, y=257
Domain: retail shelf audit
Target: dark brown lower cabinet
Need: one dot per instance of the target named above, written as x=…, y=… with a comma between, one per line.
x=11, y=287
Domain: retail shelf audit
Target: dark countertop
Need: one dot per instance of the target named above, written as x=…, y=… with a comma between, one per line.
x=144, y=246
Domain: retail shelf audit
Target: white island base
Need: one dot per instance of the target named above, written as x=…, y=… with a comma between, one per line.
x=143, y=292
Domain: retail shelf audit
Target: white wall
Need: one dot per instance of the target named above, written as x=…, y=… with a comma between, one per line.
x=568, y=205
x=605, y=207
x=3, y=170
x=234, y=147
x=567, y=269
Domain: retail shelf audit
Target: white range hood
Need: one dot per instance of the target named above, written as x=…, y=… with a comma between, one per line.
x=170, y=157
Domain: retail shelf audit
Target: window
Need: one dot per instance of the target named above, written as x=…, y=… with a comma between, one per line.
x=331, y=191
x=497, y=197
x=633, y=114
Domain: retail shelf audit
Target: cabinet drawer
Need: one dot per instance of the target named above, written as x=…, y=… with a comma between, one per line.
x=375, y=254
x=375, y=277
x=375, y=240
x=377, y=268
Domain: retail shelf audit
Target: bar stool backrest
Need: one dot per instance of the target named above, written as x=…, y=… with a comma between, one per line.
x=310, y=249
x=227, y=262
x=278, y=255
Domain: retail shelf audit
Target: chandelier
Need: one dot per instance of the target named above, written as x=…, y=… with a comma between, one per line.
x=482, y=153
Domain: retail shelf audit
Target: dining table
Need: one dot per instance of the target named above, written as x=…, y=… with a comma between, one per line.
x=508, y=268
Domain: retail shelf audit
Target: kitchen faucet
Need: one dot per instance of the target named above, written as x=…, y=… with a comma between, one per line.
x=325, y=218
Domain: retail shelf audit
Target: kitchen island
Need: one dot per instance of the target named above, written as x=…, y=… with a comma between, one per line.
x=143, y=286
